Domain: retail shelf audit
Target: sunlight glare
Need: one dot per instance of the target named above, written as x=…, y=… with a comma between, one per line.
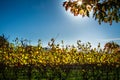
x=73, y=18
x=79, y=2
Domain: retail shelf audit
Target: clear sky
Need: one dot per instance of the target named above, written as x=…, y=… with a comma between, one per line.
x=46, y=19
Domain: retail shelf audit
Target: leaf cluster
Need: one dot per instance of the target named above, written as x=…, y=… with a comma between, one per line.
x=105, y=11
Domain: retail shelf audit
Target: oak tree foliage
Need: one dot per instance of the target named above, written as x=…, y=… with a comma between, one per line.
x=103, y=10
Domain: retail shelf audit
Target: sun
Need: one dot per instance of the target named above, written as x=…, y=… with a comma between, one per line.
x=72, y=17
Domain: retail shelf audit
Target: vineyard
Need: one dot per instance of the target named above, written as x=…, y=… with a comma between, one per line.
x=58, y=62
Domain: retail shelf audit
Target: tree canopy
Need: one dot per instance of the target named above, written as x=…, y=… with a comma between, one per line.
x=3, y=41
x=109, y=46
x=103, y=10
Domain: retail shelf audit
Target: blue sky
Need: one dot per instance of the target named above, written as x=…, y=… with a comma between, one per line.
x=46, y=19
